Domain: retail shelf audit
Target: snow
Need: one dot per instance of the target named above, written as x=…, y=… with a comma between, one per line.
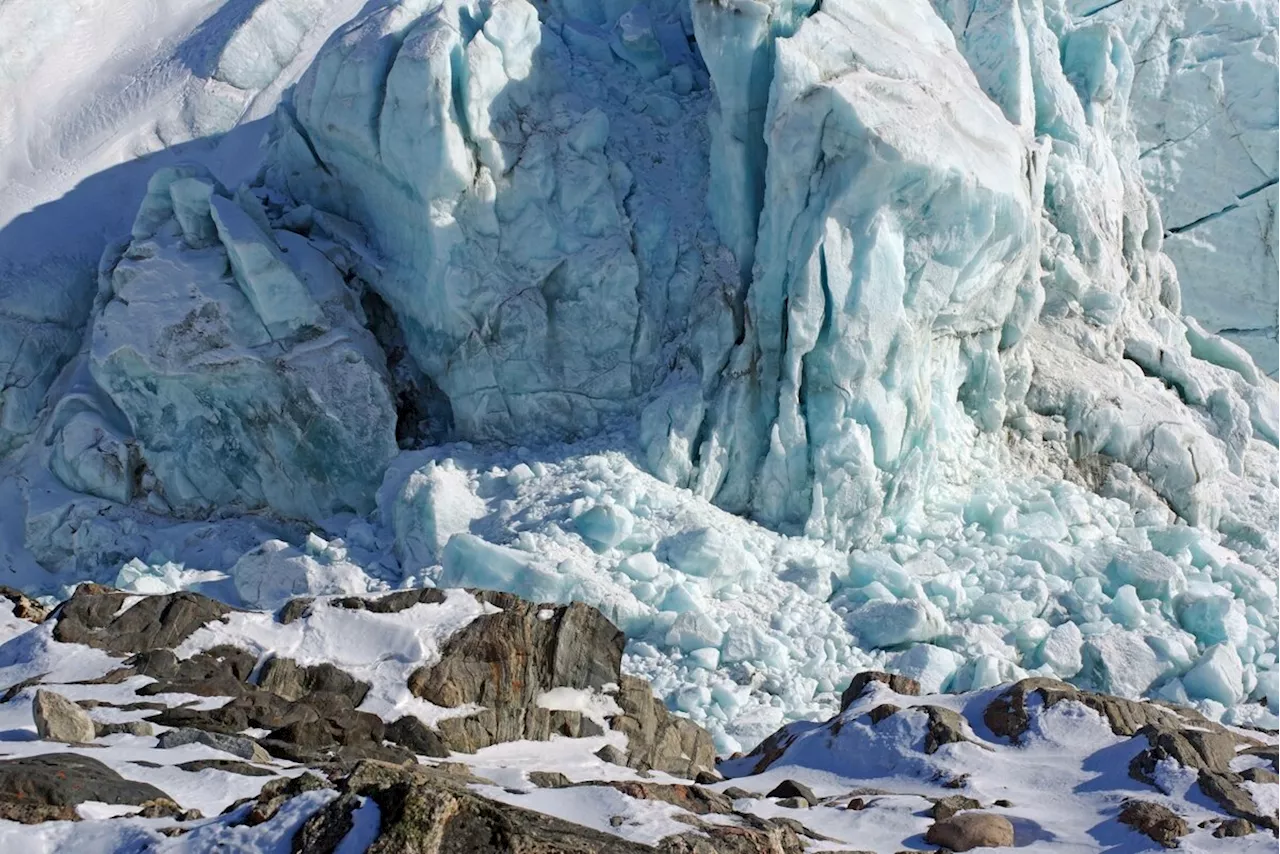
x=381, y=649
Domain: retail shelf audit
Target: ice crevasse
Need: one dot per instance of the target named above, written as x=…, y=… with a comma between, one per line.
x=880, y=275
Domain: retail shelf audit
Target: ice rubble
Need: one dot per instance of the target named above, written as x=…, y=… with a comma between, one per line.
x=913, y=305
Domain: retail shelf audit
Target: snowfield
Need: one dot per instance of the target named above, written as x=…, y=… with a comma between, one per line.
x=800, y=339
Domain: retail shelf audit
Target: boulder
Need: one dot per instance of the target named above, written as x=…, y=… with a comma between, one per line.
x=1156, y=821
x=67, y=779
x=93, y=616
x=968, y=830
x=59, y=719
x=952, y=804
x=236, y=745
x=24, y=607
x=897, y=684
x=793, y=789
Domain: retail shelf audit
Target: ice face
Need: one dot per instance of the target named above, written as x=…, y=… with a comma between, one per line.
x=1204, y=107
x=256, y=389
x=537, y=275
x=884, y=271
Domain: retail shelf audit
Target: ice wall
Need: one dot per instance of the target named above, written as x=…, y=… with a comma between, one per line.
x=934, y=211
x=531, y=190
x=898, y=224
x=234, y=368
x=1204, y=106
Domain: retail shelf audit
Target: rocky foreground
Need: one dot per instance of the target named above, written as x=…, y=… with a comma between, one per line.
x=465, y=721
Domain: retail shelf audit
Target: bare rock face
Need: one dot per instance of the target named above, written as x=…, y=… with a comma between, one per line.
x=43, y=785
x=427, y=810
x=967, y=830
x=92, y=617
x=505, y=661
x=59, y=719
x=897, y=683
x=1156, y=821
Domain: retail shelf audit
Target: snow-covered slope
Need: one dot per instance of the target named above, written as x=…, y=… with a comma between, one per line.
x=799, y=338
x=338, y=744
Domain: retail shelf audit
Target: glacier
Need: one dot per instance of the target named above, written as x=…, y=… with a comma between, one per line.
x=1204, y=109
x=800, y=338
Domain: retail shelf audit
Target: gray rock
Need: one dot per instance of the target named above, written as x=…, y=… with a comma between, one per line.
x=59, y=719
x=549, y=780
x=952, y=804
x=413, y=734
x=612, y=755
x=693, y=799
x=1007, y=715
x=1156, y=821
x=236, y=745
x=325, y=830
x=793, y=789
x=285, y=678
x=944, y=727
x=92, y=617
x=794, y=803
x=967, y=830
x=657, y=739
x=897, y=683
x=140, y=728
x=504, y=661
x=67, y=779
x=1233, y=827
x=24, y=607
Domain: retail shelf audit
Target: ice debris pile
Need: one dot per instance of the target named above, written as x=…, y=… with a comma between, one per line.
x=881, y=276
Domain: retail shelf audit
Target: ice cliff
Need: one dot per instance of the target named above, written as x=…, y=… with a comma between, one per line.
x=882, y=276
x=1204, y=109
x=938, y=227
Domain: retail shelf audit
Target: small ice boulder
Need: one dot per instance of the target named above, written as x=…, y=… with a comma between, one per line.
x=881, y=624
x=1121, y=662
x=694, y=630
x=1218, y=675
x=1061, y=650
x=1215, y=617
x=710, y=553
x=436, y=502
x=640, y=567
x=931, y=666
x=469, y=561
x=1152, y=575
x=275, y=572
x=605, y=525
